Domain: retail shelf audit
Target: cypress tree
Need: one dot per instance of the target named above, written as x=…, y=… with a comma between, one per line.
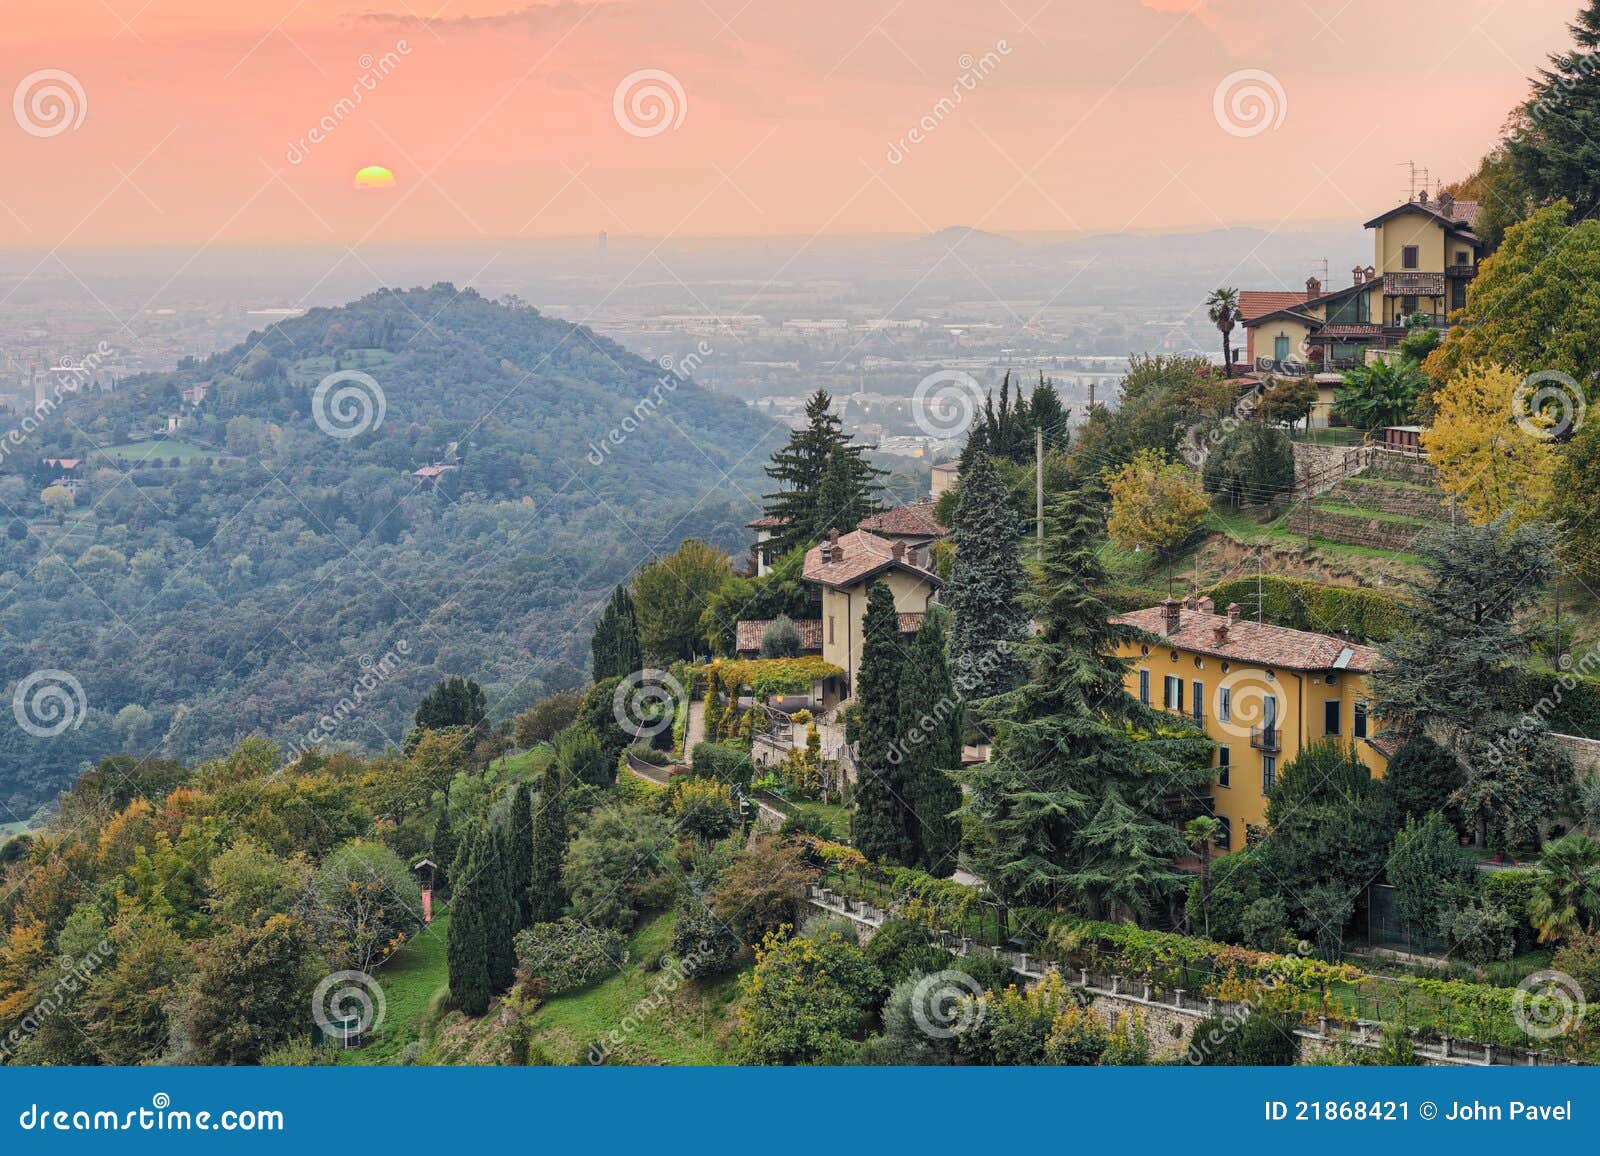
x=880, y=821
x=466, y=945
x=520, y=863
x=444, y=851
x=615, y=644
x=502, y=910
x=1074, y=804
x=799, y=466
x=1049, y=415
x=546, y=899
x=986, y=585
x=930, y=737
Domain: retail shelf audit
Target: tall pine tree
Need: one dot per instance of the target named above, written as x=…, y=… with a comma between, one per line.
x=616, y=638
x=1074, y=804
x=799, y=467
x=880, y=820
x=930, y=744
x=467, y=943
x=1554, y=150
x=986, y=585
x=546, y=899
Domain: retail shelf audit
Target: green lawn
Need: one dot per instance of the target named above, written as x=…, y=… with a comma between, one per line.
x=1370, y=514
x=160, y=450
x=525, y=764
x=691, y=1025
x=1332, y=436
x=410, y=980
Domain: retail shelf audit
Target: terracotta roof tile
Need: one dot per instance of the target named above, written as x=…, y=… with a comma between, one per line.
x=1255, y=302
x=914, y=520
x=747, y=634
x=1254, y=642
x=860, y=555
x=767, y=522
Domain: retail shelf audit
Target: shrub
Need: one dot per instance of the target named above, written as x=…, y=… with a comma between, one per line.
x=703, y=808
x=762, y=890
x=1480, y=934
x=1579, y=957
x=1512, y=890
x=726, y=764
x=1421, y=778
x=1252, y=463
x=611, y=862
x=808, y=821
x=1015, y=1024
x=991, y=972
x=1245, y=1039
x=1077, y=1039
x=805, y=1001
x=646, y=753
x=566, y=955
x=699, y=935
x=902, y=948
x=582, y=758
x=820, y=926
x=781, y=639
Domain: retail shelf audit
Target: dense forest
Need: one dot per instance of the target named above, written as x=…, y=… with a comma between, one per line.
x=270, y=570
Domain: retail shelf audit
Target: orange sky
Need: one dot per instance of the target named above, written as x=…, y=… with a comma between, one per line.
x=498, y=119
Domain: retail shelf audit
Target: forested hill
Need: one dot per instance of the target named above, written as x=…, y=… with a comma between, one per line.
x=243, y=574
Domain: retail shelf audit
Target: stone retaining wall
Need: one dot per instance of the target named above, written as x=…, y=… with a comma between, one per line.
x=1354, y=530
x=1391, y=499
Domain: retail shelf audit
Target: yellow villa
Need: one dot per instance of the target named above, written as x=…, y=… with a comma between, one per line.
x=1260, y=692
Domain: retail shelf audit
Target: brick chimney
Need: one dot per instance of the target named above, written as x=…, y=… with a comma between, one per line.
x=1357, y=275
x=1233, y=612
x=833, y=552
x=1219, y=634
x=1313, y=287
x=1447, y=204
x=899, y=551
x=1206, y=604
x=1189, y=602
x=1169, y=615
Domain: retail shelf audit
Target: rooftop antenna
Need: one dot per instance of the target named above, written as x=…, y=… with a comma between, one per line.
x=1418, y=178
x=1322, y=263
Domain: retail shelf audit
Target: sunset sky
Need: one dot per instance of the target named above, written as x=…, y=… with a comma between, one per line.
x=498, y=120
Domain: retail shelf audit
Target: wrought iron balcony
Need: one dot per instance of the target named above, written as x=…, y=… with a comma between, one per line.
x=1266, y=738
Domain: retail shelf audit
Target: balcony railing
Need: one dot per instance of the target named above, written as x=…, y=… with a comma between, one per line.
x=1266, y=738
x=1461, y=270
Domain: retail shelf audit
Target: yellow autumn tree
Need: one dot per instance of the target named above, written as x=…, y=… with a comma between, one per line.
x=1492, y=462
x=1154, y=502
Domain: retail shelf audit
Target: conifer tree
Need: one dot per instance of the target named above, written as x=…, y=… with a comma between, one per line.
x=1073, y=805
x=615, y=643
x=1049, y=415
x=930, y=745
x=842, y=501
x=799, y=467
x=443, y=851
x=503, y=911
x=986, y=585
x=1554, y=150
x=467, y=944
x=520, y=837
x=880, y=821
x=546, y=898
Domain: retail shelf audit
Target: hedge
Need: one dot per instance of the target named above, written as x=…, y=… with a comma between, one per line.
x=1306, y=605
x=1568, y=701
x=1512, y=888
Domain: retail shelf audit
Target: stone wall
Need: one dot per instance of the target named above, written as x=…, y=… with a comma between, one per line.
x=1354, y=530
x=1406, y=500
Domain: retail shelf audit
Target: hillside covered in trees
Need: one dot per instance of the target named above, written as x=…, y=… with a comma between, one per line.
x=269, y=570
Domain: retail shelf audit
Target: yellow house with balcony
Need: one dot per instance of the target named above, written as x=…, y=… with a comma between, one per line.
x=1261, y=693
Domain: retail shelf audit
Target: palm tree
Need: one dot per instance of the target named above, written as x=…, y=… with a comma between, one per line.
x=1566, y=896
x=1383, y=393
x=1200, y=833
x=1223, y=309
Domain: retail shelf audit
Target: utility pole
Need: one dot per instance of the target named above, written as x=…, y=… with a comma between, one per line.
x=1038, y=485
x=1091, y=395
x=1258, y=585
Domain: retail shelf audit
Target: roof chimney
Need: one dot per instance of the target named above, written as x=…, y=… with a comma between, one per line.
x=899, y=551
x=1313, y=288
x=1219, y=634
x=1357, y=275
x=1233, y=612
x=1169, y=615
x=1447, y=203
x=1206, y=604
x=1189, y=602
x=833, y=537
